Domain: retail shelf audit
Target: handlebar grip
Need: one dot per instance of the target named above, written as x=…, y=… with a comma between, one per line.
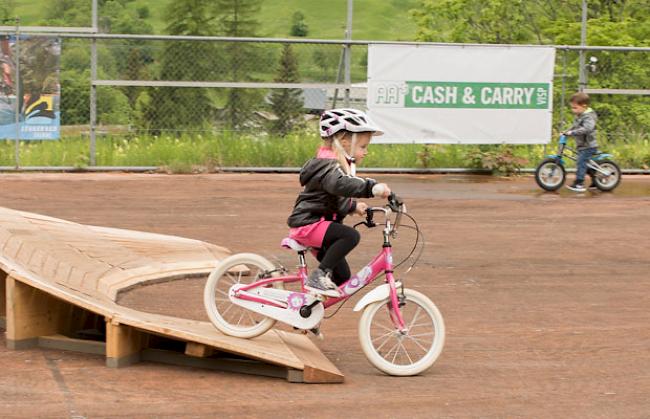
x=378, y=190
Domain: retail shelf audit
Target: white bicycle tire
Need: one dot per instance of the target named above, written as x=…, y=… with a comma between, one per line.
x=388, y=367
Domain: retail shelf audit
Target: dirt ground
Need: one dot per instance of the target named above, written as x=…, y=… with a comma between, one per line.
x=545, y=297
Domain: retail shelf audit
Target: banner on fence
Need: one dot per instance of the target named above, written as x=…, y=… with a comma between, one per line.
x=39, y=88
x=461, y=94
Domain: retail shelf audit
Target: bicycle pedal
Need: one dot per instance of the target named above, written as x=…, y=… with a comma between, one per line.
x=317, y=333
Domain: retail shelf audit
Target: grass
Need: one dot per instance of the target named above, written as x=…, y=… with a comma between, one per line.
x=191, y=153
x=372, y=19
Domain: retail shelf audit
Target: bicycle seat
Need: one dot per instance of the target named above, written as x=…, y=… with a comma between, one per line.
x=289, y=243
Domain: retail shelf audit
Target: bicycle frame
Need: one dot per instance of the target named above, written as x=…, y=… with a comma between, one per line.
x=382, y=263
x=592, y=163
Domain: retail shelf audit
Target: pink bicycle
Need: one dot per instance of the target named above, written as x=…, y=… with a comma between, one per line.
x=401, y=331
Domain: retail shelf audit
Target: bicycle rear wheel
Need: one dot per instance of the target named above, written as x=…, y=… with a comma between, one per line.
x=397, y=353
x=229, y=318
x=608, y=183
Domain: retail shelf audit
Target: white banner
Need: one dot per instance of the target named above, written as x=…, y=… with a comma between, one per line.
x=461, y=94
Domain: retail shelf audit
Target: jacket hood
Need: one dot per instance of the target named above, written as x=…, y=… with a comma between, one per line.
x=313, y=168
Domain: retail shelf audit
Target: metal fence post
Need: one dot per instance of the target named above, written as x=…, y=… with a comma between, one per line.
x=93, y=87
x=563, y=96
x=583, y=42
x=339, y=74
x=18, y=94
x=348, y=53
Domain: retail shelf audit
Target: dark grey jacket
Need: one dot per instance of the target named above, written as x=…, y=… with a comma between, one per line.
x=584, y=130
x=327, y=192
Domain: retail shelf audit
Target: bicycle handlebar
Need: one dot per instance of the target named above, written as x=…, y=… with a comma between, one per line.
x=395, y=204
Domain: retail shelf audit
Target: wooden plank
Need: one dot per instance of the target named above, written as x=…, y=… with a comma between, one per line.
x=198, y=350
x=26, y=251
x=268, y=347
x=32, y=313
x=318, y=369
x=5, y=235
x=65, y=343
x=37, y=260
x=75, y=279
x=12, y=246
x=123, y=344
x=3, y=294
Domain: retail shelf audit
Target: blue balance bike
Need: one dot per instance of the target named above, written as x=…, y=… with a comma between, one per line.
x=551, y=174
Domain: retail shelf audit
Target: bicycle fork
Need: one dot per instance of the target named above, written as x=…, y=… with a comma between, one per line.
x=394, y=304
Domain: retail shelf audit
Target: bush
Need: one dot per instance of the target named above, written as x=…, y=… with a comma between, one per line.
x=501, y=160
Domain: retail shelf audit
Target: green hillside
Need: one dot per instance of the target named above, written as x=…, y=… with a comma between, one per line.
x=372, y=19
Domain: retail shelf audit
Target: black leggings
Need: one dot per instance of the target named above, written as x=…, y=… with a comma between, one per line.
x=339, y=240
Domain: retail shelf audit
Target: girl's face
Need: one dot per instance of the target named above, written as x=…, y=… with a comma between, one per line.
x=361, y=145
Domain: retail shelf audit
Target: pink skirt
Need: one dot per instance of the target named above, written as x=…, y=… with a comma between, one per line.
x=311, y=235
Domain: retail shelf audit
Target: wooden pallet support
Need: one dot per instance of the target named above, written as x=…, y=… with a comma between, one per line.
x=32, y=313
x=123, y=344
x=3, y=300
x=198, y=350
x=65, y=343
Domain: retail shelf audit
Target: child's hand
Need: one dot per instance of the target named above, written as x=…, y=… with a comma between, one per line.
x=381, y=190
x=361, y=208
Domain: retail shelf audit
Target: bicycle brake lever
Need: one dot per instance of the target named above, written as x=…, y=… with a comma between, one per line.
x=394, y=202
x=369, y=218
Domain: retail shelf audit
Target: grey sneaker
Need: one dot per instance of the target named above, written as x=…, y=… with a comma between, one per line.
x=577, y=187
x=320, y=282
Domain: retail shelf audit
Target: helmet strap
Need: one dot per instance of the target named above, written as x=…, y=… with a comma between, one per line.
x=352, y=161
x=340, y=147
x=349, y=157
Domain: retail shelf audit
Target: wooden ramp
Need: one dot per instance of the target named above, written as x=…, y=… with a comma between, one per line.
x=60, y=282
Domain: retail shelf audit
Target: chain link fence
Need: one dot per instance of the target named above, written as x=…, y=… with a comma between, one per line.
x=163, y=90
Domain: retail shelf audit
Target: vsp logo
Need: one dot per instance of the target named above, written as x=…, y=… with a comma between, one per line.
x=390, y=94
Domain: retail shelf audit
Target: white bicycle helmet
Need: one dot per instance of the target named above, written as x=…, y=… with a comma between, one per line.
x=352, y=120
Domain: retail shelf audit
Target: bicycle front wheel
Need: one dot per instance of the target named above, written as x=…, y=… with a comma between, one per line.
x=229, y=318
x=550, y=175
x=402, y=353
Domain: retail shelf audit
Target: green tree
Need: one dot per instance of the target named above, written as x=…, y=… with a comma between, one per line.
x=287, y=104
x=112, y=105
x=117, y=59
x=298, y=25
x=131, y=56
x=6, y=11
x=481, y=21
x=327, y=59
x=68, y=13
x=236, y=19
x=182, y=108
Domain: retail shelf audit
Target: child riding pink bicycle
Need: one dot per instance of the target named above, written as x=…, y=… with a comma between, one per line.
x=401, y=331
x=329, y=184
